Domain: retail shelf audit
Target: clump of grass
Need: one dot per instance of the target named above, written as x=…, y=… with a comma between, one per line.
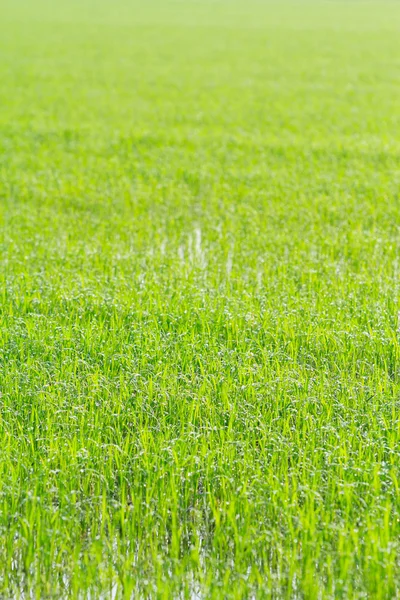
x=199, y=295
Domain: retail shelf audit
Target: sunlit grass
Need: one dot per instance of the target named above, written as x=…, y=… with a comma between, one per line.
x=199, y=346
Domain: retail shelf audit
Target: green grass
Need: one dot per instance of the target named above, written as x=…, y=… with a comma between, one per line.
x=200, y=262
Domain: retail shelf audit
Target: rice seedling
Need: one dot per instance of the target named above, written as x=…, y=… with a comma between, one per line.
x=199, y=351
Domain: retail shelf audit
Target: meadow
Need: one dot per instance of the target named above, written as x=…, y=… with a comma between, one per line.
x=199, y=299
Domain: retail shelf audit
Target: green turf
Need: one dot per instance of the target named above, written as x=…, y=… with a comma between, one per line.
x=199, y=297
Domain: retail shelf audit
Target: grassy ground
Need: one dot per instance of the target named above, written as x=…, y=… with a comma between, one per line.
x=199, y=347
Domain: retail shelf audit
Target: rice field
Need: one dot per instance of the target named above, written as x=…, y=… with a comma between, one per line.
x=199, y=299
